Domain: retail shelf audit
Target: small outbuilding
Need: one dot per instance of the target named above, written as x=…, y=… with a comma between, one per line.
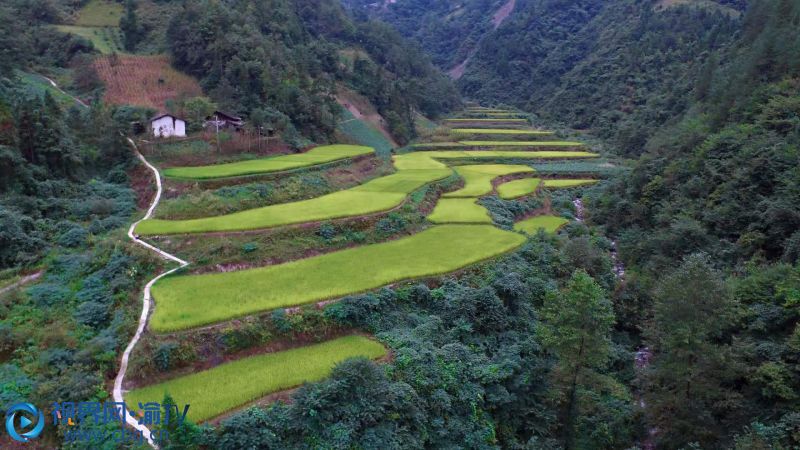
x=167, y=125
x=223, y=120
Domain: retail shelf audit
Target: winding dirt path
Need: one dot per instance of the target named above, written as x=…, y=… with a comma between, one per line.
x=22, y=281
x=147, y=301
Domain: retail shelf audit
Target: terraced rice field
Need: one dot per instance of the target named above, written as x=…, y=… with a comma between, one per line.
x=382, y=194
x=524, y=144
x=501, y=131
x=518, y=188
x=459, y=210
x=498, y=120
x=517, y=145
x=478, y=178
x=195, y=300
x=316, y=156
x=213, y=392
x=550, y=224
x=555, y=184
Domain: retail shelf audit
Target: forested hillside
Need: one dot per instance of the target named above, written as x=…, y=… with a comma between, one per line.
x=703, y=96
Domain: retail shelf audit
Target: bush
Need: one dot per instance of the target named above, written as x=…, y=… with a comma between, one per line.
x=93, y=314
x=49, y=294
x=74, y=237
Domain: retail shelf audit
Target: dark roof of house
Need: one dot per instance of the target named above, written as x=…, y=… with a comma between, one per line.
x=165, y=115
x=226, y=116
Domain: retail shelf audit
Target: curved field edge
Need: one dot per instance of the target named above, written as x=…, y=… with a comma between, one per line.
x=191, y=301
x=223, y=388
x=478, y=178
x=316, y=156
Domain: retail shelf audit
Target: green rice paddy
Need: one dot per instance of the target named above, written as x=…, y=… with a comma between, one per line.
x=518, y=188
x=215, y=391
x=315, y=156
x=195, y=300
x=478, y=178
x=382, y=194
x=555, y=184
x=459, y=210
x=550, y=224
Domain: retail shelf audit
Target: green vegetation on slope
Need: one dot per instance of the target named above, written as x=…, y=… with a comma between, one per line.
x=100, y=13
x=318, y=155
x=196, y=300
x=526, y=144
x=459, y=210
x=478, y=178
x=518, y=188
x=106, y=40
x=364, y=133
x=215, y=391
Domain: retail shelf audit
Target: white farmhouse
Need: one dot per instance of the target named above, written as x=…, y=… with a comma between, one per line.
x=167, y=125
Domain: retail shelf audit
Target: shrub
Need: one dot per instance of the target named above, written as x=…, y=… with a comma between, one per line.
x=74, y=237
x=49, y=294
x=249, y=247
x=93, y=314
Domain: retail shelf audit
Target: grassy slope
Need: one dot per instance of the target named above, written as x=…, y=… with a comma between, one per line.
x=518, y=188
x=381, y=194
x=362, y=132
x=220, y=389
x=319, y=155
x=550, y=224
x=196, y=300
x=100, y=13
x=478, y=178
x=36, y=84
x=459, y=210
x=106, y=40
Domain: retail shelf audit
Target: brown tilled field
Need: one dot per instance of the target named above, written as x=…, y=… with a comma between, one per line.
x=143, y=80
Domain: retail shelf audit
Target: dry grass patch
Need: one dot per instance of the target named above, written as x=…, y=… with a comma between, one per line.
x=147, y=81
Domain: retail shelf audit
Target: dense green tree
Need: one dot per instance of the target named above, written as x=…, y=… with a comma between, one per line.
x=577, y=328
x=693, y=363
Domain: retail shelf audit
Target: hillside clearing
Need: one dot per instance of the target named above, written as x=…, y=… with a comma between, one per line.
x=215, y=391
x=194, y=300
x=106, y=40
x=147, y=81
x=100, y=13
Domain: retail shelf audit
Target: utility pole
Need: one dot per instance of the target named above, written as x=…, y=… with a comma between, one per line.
x=216, y=122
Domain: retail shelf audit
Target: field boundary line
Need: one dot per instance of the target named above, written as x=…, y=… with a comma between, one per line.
x=147, y=301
